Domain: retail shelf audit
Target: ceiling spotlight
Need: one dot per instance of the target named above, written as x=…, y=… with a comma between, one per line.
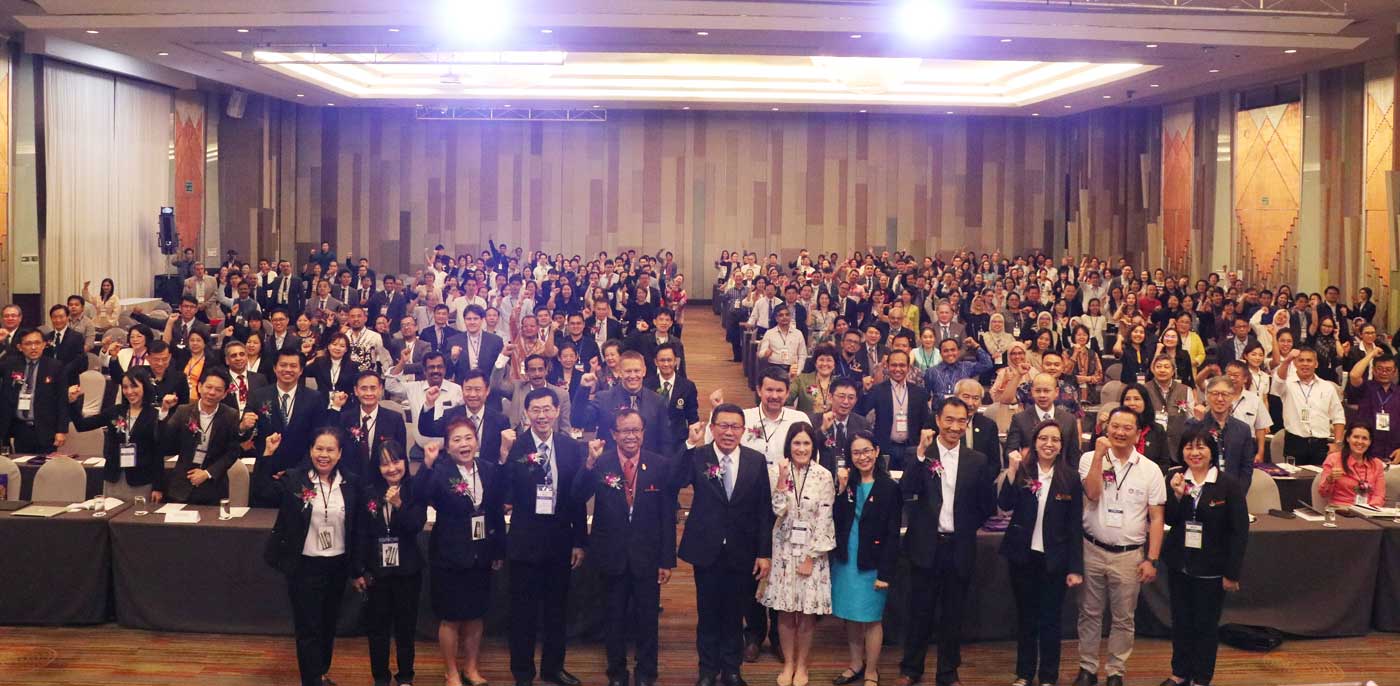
x=393, y=30
x=855, y=35
x=301, y=95
x=948, y=112
x=1154, y=85
x=1035, y=114
x=506, y=105
x=473, y=21
x=596, y=106
x=862, y=111
x=330, y=104
x=1151, y=45
x=93, y=31
x=1290, y=51
x=243, y=30
x=686, y=107
x=1108, y=97
x=775, y=109
x=1068, y=106
x=702, y=33
x=162, y=54
x=1006, y=40
x=1215, y=71
x=546, y=30
x=923, y=19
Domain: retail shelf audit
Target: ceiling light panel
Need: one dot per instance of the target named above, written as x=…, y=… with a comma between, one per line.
x=643, y=77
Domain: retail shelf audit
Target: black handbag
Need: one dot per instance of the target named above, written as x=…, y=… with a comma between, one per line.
x=1260, y=639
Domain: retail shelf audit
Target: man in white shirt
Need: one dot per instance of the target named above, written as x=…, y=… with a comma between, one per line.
x=767, y=425
x=783, y=346
x=1313, y=416
x=1124, y=498
x=761, y=316
x=415, y=393
x=1248, y=407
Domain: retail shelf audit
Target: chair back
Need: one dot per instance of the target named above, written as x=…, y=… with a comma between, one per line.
x=1111, y=392
x=1392, y=483
x=62, y=480
x=84, y=444
x=94, y=386
x=1001, y=414
x=1263, y=495
x=1319, y=502
x=309, y=382
x=238, y=484
x=1114, y=372
x=10, y=471
x=1276, y=448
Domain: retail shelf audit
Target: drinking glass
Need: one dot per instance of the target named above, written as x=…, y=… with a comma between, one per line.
x=1292, y=461
x=1330, y=517
x=224, y=513
x=99, y=508
x=140, y=502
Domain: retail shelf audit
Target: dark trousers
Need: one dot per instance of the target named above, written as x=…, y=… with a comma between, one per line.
x=900, y=455
x=760, y=621
x=1305, y=450
x=633, y=603
x=316, y=589
x=941, y=588
x=1196, y=606
x=539, y=596
x=722, y=597
x=28, y=441
x=1039, y=600
x=391, y=607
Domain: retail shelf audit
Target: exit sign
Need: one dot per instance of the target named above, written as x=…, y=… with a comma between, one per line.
x=189, y=186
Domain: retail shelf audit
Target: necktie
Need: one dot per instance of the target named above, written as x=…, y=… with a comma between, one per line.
x=364, y=428
x=666, y=389
x=629, y=473
x=476, y=422
x=323, y=304
x=544, y=462
x=28, y=415
x=242, y=391
x=633, y=400
x=726, y=464
x=286, y=408
x=841, y=437
x=945, y=332
x=57, y=338
x=282, y=296
x=364, y=295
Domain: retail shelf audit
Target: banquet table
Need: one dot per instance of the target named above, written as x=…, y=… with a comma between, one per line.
x=56, y=569
x=1386, y=614
x=1292, y=489
x=155, y=563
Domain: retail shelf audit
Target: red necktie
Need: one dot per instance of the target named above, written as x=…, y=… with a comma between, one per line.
x=242, y=391
x=629, y=475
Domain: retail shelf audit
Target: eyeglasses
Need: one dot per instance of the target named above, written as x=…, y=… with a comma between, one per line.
x=864, y=452
x=728, y=427
x=628, y=432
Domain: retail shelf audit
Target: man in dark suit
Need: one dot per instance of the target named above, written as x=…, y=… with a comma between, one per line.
x=288, y=408
x=653, y=335
x=440, y=336
x=391, y=302
x=941, y=539
x=1233, y=346
x=66, y=345
x=678, y=394
x=633, y=541
x=480, y=348
x=982, y=434
x=368, y=425
x=838, y=424
x=242, y=383
x=204, y=435
x=592, y=409
x=281, y=337
x=575, y=333
x=406, y=347
x=602, y=326
x=287, y=292
x=547, y=537
x=901, y=411
x=177, y=330
x=872, y=353
x=34, y=401
x=490, y=422
x=1043, y=392
x=728, y=538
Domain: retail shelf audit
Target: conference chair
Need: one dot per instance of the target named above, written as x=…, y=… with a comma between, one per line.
x=83, y=444
x=1319, y=503
x=1276, y=447
x=94, y=384
x=1392, y=483
x=61, y=480
x=1263, y=495
x=10, y=471
x=309, y=382
x=1001, y=414
x=1112, y=390
x=238, y=484
x=1113, y=371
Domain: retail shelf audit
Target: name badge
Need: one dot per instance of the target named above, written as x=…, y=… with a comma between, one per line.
x=1303, y=414
x=798, y=536
x=128, y=455
x=26, y=401
x=325, y=539
x=1382, y=421
x=1114, y=517
x=389, y=552
x=1142, y=379
x=1194, y=531
x=1360, y=499
x=199, y=456
x=901, y=424
x=1162, y=418
x=544, y=499
x=478, y=527
x=840, y=461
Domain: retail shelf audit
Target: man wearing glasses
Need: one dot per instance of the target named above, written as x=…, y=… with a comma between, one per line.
x=1236, y=441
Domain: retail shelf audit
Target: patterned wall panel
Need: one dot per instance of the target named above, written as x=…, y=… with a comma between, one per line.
x=1178, y=165
x=189, y=166
x=5, y=159
x=1379, y=156
x=1268, y=187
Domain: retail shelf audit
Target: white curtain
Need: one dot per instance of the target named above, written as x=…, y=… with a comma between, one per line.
x=106, y=154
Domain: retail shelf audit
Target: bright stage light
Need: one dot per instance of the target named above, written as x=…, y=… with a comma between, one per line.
x=474, y=21
x=924, y=19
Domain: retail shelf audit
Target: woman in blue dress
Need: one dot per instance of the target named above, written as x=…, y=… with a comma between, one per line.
x=867, y=514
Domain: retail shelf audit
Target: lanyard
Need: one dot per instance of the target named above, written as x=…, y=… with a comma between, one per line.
x=1118, y=482
x=1307, y=395
x=1383, y=400
x=797, y=487
x=325, y=501
x=898, y=401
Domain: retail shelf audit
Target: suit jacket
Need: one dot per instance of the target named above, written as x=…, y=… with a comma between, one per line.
x=179, y=436
x=614, y=328
x=450, y=546
x=150, y=459
x=71, y=353
x=1062, y=533
x=430, y=336
x=732, y=530
x=49, y=404
x=1023, y=425
x=491, y=348
x=682, y=408
x=587, y=348
x=356, y=457
x=833, y=455
x=308, y=413
x=254, y=380
x=638, y=541
x=284, y=546
x=597, y=414
x=492, y=424
x=645, y=343
x=210, y=305
x=536, y=537
x=296, y=294
x=1224, y=517
x=320, y=370
x=404, y=523
x=314, y=308
x=881, y=400
x=878, y=545
x=974, y=500
x=1225, y=350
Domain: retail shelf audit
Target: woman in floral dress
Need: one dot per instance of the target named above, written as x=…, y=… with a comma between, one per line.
x=799, y=585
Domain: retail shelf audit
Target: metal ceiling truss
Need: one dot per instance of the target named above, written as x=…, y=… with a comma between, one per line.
x=468, y=113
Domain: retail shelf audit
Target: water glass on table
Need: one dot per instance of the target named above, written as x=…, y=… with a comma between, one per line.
x=224, y=513
x=99, y=506
x=140, y=502
x=1330, y=517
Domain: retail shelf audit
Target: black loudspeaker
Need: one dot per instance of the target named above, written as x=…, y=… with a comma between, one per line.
x=168, y=239
x=168, y=288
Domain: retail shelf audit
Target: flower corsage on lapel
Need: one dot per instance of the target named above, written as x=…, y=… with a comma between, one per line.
x=613, y=481
x=307, y=495
x=935, y=467
x=714, y=471
x=1033, y=485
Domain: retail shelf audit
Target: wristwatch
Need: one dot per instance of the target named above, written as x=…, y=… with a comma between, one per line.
x=1153, y=562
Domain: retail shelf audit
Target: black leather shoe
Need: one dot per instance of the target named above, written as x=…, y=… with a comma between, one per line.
x=1115, y=680
x=733, y=680
x=750, y=652
x=707, y=680
x=645, y=681
x=1085, y=678
x=618, y=681
x=562, y=678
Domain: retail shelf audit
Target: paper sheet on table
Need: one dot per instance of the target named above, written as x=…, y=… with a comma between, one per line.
x=432, y=514
x=170, y=507
x=23, y=459
x=237, y=512
x=1312, y=468
x=249, y=462
x=172, y=459
x=95, y=462
x=91, y=504
x=1308, y=515
x=182, y=517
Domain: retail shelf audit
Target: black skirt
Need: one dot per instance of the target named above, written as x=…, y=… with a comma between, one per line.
x=460, y=594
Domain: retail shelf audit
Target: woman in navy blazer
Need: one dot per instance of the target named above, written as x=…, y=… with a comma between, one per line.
x=1043, y=545
x=132, y=422
x=467, y=544
x=394, y=514
x=1203, y=553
